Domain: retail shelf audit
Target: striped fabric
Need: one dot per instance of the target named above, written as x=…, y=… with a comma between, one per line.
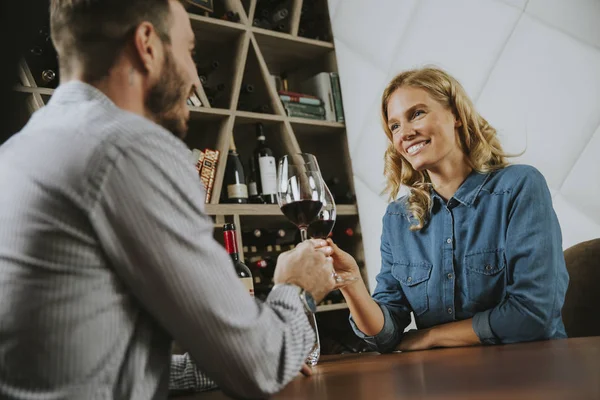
x=106, y=254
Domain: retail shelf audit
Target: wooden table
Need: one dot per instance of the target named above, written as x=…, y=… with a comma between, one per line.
x=556, y=369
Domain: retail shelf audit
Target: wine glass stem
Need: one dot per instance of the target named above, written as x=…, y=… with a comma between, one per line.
x=303, y=234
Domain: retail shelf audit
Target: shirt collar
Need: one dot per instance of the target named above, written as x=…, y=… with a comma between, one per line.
x=78, y=92
x=468, y=191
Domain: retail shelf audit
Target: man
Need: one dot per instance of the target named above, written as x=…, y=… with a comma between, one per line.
x=106, y=253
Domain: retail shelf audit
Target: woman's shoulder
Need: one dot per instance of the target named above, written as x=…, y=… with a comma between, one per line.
x=515, y=178
x=398, y=206
x=515, y=174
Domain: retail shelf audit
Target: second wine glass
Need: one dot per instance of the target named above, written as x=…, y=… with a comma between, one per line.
x=300, y=189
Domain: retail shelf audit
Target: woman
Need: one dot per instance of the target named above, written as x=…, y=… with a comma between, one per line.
x=474, y=250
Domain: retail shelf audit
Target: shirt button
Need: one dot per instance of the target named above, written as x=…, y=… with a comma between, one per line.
x=449, y=311
x=449, y=240
x=449, y=276
x=488, y=267
x=409, y=279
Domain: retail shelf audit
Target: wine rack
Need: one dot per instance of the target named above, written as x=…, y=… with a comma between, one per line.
x=232, y=53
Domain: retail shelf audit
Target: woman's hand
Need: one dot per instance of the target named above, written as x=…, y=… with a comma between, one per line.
x=344, y=265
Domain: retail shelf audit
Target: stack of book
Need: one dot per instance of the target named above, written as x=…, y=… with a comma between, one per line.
x=302, y=105
x=206, y=165
x=320, y=97
x=326, y=86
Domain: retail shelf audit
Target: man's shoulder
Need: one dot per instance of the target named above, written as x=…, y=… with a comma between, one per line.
x=127, y=131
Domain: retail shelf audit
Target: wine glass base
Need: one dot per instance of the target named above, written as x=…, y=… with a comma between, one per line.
x=313, y=357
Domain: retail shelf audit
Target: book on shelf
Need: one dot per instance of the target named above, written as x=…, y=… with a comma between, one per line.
x=206, y=164
x=301, y=99
x=300, y=114
x=337, y=96
x=197, y=159
x=325, y=85
x=296, y=94
x=318, y=111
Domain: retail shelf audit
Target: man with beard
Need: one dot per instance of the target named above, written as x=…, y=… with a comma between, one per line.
x=106, y=253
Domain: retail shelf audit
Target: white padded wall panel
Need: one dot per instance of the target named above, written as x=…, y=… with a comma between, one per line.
x=531, y=66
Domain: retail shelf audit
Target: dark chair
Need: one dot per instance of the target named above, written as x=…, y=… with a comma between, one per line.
x=581, y=312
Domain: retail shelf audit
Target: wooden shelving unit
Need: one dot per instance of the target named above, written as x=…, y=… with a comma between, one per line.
x=248, y=54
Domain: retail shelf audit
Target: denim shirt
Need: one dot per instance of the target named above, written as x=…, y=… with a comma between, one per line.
x=493, y=253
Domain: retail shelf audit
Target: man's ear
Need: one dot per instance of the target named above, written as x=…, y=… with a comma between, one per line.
x=148, y=47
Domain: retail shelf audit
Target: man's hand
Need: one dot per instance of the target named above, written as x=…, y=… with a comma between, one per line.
x=414, y=340
x=308, y=267
x=306, y=370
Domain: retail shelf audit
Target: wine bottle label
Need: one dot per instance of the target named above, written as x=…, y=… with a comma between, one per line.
x=268, y=174
x=249, y=284
x=252, y=189
x=237, y=191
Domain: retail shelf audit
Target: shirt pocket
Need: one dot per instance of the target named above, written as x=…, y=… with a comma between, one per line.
x=486, y=280
x=414, y=278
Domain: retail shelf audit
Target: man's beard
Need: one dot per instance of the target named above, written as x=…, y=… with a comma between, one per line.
x=166, y=97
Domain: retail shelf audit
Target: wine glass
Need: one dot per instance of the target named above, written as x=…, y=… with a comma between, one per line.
x=300, y=190
x=322, y=226
x=300, y=197
x=321, y=229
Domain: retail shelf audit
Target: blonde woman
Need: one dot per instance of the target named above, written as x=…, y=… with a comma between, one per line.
x=474, y=250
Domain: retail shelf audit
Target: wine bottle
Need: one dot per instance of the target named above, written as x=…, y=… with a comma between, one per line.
x=253, y=196
x=242, y=271
x=265, y=166
x=341, y=193
x=247, y=88
x=48, y=76
x=43, y=60
x=279, y=15
x=234, y=180
x=263, y=108
x=205, y=70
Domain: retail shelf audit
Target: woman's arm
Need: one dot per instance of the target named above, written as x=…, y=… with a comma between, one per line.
x=453, y=334
x=379, y=320
x=366, y=313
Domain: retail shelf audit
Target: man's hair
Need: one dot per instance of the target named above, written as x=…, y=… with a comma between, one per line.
x=90, y=34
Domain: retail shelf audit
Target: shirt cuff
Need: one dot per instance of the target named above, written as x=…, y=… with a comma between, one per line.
x=483, y=329
x=387, y=339
x=186, y=376
x=286, y=295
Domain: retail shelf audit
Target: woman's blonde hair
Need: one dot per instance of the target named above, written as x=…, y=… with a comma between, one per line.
x=477, y=138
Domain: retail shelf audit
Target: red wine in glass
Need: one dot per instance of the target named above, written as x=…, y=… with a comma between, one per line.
x=321, y=228
x=299, y=189
x=302, y=212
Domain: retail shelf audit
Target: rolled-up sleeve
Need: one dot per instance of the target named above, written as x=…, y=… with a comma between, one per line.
x=537, y=275
x=389, y=296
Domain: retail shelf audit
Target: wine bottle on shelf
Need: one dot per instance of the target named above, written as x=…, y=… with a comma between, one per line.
x=280, y=15
x=253, y=196
x=341, y=194
x=242, y=271
x=234, y=180
x=43, y=60
x=247, y=88
x=266, y=168
x=263, y=108
x=48, y=76
x=205, y=70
